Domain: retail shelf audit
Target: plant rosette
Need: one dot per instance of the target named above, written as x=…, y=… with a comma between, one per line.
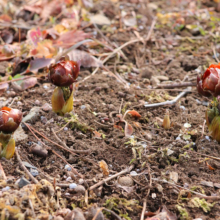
x=63, y=74
x=10, y=119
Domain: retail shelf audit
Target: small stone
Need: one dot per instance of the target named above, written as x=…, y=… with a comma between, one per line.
x=5, y=189
x=22, y=182
x=46, y=107
x=80, y=189
x=65, y=129
x=81, y=181
x=82, y=107
x=125, y=181
x=34, y=172
x=72, y=185
x=154, y=195
x=78, y=214
x=68, y=178
x=133, y=173
x=174, y=176
x=146, y=72
x=32, y=116
x=67, y=167
x=28, y=165
x=91, y=213
x=39, y=151
x=43, y=119
x=37, y=102
x=154, y=81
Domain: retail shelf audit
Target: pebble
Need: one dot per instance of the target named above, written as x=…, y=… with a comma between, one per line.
x=22, y=182
x=5, y=189
x=46, y=107
x=79, y=189
x=37, y=102
x=32, y=115
x=43, y=119
x=83, y=107
x=126, y=181
x=34, y=172
x=65, y=129
x=39, y=151
x=67, y=167
x=28, y=165
x=207, y=138
x=133, y=173
x=72, y=185
x=182, y=107
x=68, y=178
x=81, y=181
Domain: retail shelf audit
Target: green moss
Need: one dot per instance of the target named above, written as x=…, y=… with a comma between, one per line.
x=201, y=203
x=184, y=215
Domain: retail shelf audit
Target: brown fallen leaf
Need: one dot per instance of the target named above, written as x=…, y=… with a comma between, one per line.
x=210, y=167
x=103, y=165
x=71, y=37
x=134, y=113
x=84, y=58
x=97, y=134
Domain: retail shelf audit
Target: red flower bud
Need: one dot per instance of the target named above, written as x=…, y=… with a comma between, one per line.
x=64, y=73
x=210, y=81
x=9, y=119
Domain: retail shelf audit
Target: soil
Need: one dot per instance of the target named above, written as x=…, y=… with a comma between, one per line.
x=172, y=55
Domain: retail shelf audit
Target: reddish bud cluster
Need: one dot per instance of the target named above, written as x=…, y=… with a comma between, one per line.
x=209, y=83
x=10, y=119
x=64, y=73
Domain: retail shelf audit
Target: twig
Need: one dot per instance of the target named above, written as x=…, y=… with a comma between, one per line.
x=176, y=85
x=126, y=170
x=198, y=194
x=203, y=128
x=73, y=169
x=169, y=102
x=113, y=213
x=204, y=155
x=64, y=145
x=97, y=213
x=63, y=148
x=23, y=167
x=144, y=209
x=131, y=42
x=215, y=55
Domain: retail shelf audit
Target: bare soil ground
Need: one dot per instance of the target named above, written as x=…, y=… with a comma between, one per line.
x=177, y=168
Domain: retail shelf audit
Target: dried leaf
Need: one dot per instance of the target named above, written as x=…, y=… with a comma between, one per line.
x=99, y=19
x=5, y=18
x=24, y=84
x=45, y=49
x=84, y=58
x=35, y=36
x=71, y=37
x=210, y=167
x=54, y=7
x=128, y=129
x=134, y=113
x=97, y=134
x=103, y=165
x=39, y=63
x=3, y=88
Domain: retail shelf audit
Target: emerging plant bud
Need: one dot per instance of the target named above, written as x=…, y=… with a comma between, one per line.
x=62, y=100
x=7, y=146
x=64, y=73
x=213, y=119
x=199, y=88
x=166, y=120
x=10, y=119
x=209, y=82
